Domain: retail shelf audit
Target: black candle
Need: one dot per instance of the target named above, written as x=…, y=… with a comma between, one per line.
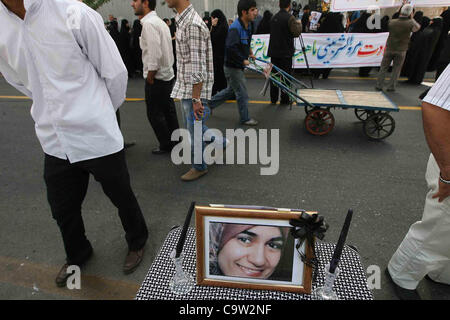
x=182, y=239
x=341, y=242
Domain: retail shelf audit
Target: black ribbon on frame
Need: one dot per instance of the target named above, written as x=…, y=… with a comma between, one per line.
x=307, y=227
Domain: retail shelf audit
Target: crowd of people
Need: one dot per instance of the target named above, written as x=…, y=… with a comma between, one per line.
x=427, y=50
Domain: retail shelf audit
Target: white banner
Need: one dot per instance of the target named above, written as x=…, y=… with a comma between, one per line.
x=331, y=50
x=354, y=5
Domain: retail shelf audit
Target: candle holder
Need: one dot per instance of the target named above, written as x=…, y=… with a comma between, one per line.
x=326, y=292
x=182, y=282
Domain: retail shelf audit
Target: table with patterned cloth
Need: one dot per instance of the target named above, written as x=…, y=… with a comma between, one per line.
x=351, y=283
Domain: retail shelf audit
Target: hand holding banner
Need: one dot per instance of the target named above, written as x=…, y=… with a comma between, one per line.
x=331, y=50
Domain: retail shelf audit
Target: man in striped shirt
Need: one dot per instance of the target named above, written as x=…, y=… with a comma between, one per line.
x=425, y=251
x=195, y=76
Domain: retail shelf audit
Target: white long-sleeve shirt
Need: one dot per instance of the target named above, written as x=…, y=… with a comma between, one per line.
x=156, y=45
x=63, y=58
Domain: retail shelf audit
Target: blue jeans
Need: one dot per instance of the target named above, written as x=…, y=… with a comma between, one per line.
x=236, y=88
x=197, y=160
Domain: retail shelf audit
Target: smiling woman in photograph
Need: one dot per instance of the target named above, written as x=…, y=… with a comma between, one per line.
x=248, y=251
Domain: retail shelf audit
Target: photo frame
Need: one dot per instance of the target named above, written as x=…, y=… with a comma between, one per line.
x=250, y=248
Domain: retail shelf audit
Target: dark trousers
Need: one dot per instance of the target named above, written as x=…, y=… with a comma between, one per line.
x=161, y=111
x=67, y=185
x=284, y=64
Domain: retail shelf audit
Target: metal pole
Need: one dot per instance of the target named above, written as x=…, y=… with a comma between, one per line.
x=302, y=44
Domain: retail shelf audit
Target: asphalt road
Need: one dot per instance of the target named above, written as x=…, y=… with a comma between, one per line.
x=382, y=181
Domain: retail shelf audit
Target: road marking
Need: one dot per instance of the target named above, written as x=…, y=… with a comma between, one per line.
x=15, y=97
x=409, y=108
x=228, y=101
x=40, y=277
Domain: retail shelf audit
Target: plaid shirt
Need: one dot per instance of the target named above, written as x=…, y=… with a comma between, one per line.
x=194, y=55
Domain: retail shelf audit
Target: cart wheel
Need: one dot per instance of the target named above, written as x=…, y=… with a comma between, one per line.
x=308, y=109
x=379, y=126
x=319, y=122
x=363, y=114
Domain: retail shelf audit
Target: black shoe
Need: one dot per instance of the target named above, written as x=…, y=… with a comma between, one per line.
x=62, y=276
x=402, y=293
x=160, y=151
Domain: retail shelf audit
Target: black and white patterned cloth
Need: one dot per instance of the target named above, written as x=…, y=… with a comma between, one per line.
x=351, y=283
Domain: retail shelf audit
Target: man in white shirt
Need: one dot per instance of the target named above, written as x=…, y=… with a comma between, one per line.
x=157, y=59
x=59, y=54
x=425, y=251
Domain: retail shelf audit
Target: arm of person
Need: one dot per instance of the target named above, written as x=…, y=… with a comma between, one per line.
x=13, y=78
x=197, y=48
x=103, y=53
x=151, y=50
x=232, y=46
x=436, y=123
x=295, y=26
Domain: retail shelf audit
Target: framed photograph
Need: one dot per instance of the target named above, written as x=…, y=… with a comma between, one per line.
x=250, y=249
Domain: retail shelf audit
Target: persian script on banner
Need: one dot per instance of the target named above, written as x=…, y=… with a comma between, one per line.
x=331, y=50
x=353, y=5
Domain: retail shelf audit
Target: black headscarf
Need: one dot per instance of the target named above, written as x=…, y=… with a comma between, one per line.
x=360, y=26
x=418, y=16
x=219, y=33
x=332, y=23
x=124, y=29
x=207, y=21
x=124, y=36
x=421, y=51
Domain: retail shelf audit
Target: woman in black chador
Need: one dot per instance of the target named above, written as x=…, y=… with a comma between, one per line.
x=421, y=51
x=424, y=23
x=219, y=33
x=440, y=45
x=264, y=25
x=124, y=45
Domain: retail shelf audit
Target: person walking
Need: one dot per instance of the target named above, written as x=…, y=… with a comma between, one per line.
x=195, y=77
x=284, y=27
x=397, y=44
x=136, y=52
x=424, y=252
x=77, y=80
x=157, y=59
x=237, y=53
x=124, y=45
